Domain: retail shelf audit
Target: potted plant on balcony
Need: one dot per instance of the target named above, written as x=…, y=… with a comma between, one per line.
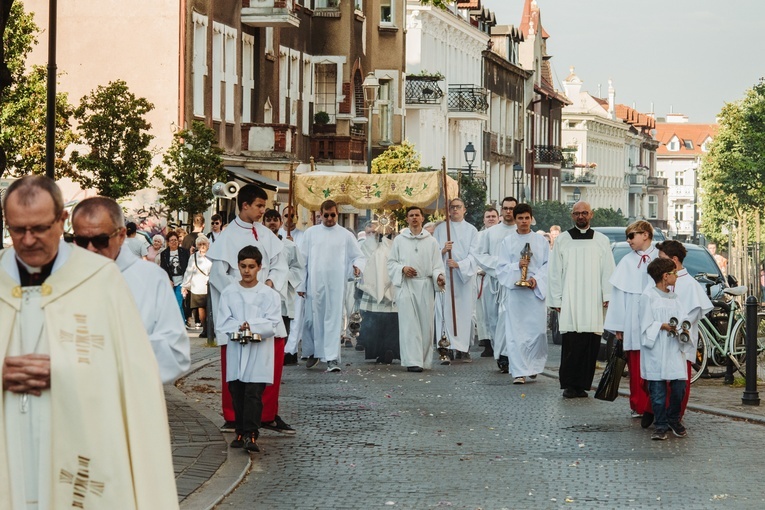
x=321, y=123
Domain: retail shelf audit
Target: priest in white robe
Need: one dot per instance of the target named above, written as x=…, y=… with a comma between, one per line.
x=461, y=270
x=99, y=217
x=332, y=255
x=482, y=327
x=488, y=250
x=80, y=383
x=525, y=311
x=245, y=230
x=580, y=267
x=629, y=280
x=415, y=268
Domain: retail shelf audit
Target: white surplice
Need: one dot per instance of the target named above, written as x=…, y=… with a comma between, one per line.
x=464, y=236
x=160, y=314
x=259, y=306
x=415, y=296
x=662, y=358
x=486, y=255
x=695, y=304
x=225, y=268
x=629, y=280
x=525, y=311
x=330, y=254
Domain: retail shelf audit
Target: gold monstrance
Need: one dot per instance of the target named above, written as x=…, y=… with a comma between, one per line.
x=525, y=255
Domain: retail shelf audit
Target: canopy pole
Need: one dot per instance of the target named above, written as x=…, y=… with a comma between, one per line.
x=290, y=197
x=448, y=239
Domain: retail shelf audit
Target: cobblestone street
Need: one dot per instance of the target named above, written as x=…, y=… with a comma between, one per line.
x=375, y=436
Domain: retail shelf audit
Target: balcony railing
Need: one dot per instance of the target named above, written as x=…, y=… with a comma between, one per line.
x=467, y=98
x=548, y=154
x=423, y=90
x=638, y=179
x=269, y=13
x=577, y=177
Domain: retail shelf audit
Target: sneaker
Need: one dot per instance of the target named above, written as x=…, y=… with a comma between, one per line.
x=519, y=380
x=333, y=366
x=311, y=362
x=229, y=426
x=635, y=414
x=659, y=435
x=238, y=442
x=466, y=357
x=488, y=352
x=678, y=430
x=646, y=420
x=279, y=425
x=251, y=444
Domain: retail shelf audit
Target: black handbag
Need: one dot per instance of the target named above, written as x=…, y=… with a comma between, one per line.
x=608, y=387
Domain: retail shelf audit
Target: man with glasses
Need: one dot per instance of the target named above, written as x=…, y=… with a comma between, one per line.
x=332, y=255
x=461, y=269
x=80, y=384
x=97, y=225
x=580, y=267
x=489, y=243
x=289, y=222
x=216, y=226
x=629, y=280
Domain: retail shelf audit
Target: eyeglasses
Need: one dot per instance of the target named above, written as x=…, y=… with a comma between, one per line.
x=35, y=230
x=330, y=215
x=99, y=242
x=455, y=207
x=583, y=213
x=632, y=235
x=172, y=239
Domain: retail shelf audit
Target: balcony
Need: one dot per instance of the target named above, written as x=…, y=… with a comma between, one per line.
x=467, y=99
x=268, y=138
x=548, y=154
x=577, y=177
x=423, y=90
x=269, y=13
x=637, y=183
x=328, y=146
x=681, y=192
x=657, y=182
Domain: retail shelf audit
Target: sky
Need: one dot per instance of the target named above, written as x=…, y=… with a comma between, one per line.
x=684, y=56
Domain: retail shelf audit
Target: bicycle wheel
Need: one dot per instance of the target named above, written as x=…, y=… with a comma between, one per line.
x=738, y=345
x=702, y=355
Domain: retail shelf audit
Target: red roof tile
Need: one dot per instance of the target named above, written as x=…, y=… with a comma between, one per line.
x=531, y=14
x=696, y=133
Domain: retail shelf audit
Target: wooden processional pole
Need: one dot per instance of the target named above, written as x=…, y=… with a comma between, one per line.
x=290, y=197
x=448, y=239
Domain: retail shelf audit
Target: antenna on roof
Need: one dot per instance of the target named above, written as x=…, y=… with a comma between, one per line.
x=599, y=95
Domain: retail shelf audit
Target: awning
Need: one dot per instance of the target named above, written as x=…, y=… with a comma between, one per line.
x=255, y=178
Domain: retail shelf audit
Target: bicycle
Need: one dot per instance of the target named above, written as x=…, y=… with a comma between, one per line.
x=722, y=332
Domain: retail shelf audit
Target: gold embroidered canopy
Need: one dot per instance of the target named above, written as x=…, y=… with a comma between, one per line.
x=373, y=191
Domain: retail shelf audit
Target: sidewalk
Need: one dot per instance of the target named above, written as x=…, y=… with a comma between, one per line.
x=206, y=472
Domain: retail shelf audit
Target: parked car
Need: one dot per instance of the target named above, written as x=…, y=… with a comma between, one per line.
x=617, y=234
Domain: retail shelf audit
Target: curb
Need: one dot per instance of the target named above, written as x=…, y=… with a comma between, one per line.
x=229, y=475
x=694, y=407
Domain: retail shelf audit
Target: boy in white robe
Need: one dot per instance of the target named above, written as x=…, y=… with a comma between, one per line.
x=663, y=357
x=415, y=268
x=629, y=280
x=524, y=309
x=248, y=305
x=693, y=298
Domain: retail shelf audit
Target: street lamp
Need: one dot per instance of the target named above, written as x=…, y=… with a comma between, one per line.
x=470, y=157
x=370, y=86
x=518, y=175
x=577, y=194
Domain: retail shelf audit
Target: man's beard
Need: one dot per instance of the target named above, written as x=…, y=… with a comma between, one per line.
x=582, y=224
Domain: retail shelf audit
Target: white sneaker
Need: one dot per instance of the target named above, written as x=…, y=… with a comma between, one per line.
x=333, y=366
x=519, y=380
x=635, y=414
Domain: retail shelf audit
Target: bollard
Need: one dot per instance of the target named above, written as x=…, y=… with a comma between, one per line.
x=751, y=397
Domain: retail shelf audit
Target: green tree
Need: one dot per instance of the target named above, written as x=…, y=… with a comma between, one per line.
x=23, y=105
x=733, y=171
x=113, y=124
x=473, y=192
x=552, y=212
x=192, y=165
x=603, y=217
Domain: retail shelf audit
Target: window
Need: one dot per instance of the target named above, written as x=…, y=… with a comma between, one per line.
x=218, y=70
x=680, y=178
x=248, y=76
x=679, y=214
x=386, y=11
x=326, y=90
x=688, y=144
x=326, y=4
x=199, y=67
x=673, y=145
x=231, y=76
x=385, y=109
x=653, y=206
x=705, y=145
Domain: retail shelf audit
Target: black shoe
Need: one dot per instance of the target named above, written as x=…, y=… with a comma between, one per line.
x=203, y=334
x=251, y=444
x=238, y=442
x=388, y=358
x=311, y=362
x=280, y=426
x=503, y=364
x=414, y=369
x=569, y=393
x=457, y=354
x=581, y=394
x=229, y=426
x=290, y=359
x=359, y=347
x=678, y=430
x=488, y=351
x=646, y=420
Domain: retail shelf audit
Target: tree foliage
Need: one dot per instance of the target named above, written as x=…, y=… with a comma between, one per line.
x=552, y=212
x=113, y=124
x=192, y=164
x=733, y=171
x=473, y=192
x=603, y=217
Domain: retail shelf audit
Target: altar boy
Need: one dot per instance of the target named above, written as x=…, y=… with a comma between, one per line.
x=248, y=304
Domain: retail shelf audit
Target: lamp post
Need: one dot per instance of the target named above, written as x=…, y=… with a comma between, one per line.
x=470, y=157
x=370, y=85
x=577, y=194
x=518, y=175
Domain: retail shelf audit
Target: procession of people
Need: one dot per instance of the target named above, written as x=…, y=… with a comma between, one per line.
x=275, y=289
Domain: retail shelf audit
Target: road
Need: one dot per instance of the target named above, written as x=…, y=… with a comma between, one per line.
x=376, y=436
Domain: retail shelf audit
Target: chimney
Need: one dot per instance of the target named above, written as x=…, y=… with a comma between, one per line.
x=611, y=100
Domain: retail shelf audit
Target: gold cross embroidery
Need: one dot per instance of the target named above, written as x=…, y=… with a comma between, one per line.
x=82, y=340
x=81, y=482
